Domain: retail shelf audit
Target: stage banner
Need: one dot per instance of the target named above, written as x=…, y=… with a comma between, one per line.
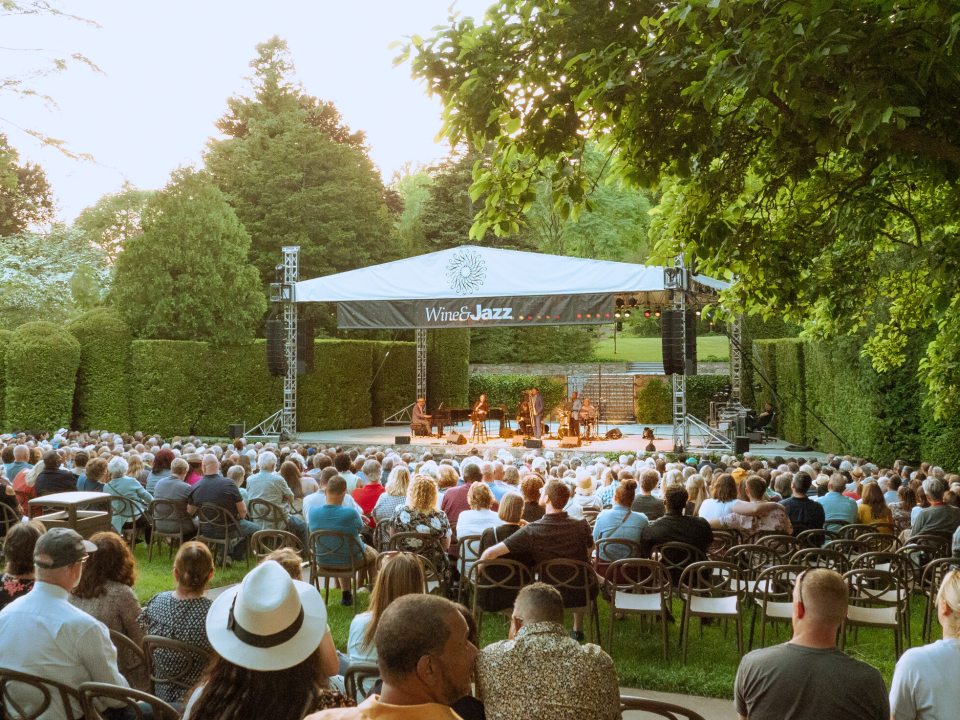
x=478, y=312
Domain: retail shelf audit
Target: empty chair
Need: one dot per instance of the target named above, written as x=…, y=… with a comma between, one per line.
x=875, y=599
x=774, y=599
x=816, y=537
x=92, y=692
x=849, y=547
x=642, y=587
x=578, y=585
x=676, y=556
x=821, y=557
x=710, y=589
x=783, y=545
x=751, y=560
x=723, y=540
x=854, y=530
x=930, y=581
x=880, y=542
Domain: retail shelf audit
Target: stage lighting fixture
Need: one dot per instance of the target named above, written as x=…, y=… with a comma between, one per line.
x=617, y=314
x=698, y=313
x=647, y=313
x=626, y=313
x=619, y=302
x=656, y=313
x=633, y=302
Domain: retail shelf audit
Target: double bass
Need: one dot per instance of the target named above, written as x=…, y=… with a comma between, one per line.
x=524, y=420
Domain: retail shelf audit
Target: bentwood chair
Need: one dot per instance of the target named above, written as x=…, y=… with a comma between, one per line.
x=187, y=659
x=130, y=657
x=469, y=553
x=266, y=515
x=219, y=528
x=821, y=557
x=161, y=510
x=133, y=702
x=710, y=589
x=496, y=584
x=783, y=545
x=264, y=542
x=656, y=707
x=774, y=599
x=360, y=680
x=930, y=582
x=577, y=583
x=8, y=519
x=335, y=555
x=676, y=556
x=639, y=587
x=875, y=599
x=30, y=697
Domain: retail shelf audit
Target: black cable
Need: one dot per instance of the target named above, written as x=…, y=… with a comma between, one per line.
x=776, y=396
x=385, y=356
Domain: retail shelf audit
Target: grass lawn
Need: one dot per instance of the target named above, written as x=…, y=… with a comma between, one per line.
x=712, y=659
x=710, y=348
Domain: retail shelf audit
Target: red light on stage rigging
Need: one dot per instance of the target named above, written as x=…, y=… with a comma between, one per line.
x=656, y=313
x=647, y=313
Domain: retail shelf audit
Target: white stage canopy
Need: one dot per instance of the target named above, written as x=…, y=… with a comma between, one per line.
x=486, y=286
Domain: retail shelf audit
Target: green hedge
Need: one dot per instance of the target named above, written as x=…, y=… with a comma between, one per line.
x=700, y=391
x=336, y=394
x=535, y=344
x=41, y=373
x=763, y=381
x=5, y=336
x=394, y=386
x=448, y=367
x=506, y=390
x=101, y=399
x=791, y=388
x=654, y=401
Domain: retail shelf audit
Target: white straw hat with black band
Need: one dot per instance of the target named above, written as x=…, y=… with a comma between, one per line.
x=268, y=622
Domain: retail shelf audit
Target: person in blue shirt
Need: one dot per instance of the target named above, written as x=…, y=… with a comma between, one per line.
x=620, y=522
x=836, y=506
x=334, y=516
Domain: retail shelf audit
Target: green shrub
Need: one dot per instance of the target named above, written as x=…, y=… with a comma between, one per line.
x=535, y=344
x=336, y=394
x=167, y=378
x=448, y=367
x=700, y=391
x=654, y=402
x=5, y=336
x=41, y=373
x=394, y=379
x=507, y=389
x=101, y=399
x=791, y=389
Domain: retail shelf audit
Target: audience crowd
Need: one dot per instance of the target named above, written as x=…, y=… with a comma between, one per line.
x=410, y=521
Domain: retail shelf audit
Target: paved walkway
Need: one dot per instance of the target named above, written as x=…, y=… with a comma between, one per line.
x=709, y=708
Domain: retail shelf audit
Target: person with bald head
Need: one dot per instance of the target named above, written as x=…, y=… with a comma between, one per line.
x=214, y=489
x=808, y=676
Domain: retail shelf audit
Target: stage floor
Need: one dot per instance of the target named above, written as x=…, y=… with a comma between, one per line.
x=631, y=442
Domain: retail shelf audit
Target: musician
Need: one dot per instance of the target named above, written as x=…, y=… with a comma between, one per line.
x=536, y=411
x=573, y=413
x=588, y=416
x=419, y=419
x=481, y=409
x=523, y=414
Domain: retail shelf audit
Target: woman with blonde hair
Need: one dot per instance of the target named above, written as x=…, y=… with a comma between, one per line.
x=394, y=496
x=924, y=684
x=697, y=492
x=400, y=574
x=420, y=515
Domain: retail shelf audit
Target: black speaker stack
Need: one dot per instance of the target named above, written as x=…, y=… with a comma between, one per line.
x=679, y=358
x=276, y=337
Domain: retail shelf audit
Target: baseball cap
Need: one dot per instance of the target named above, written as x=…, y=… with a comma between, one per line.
x=62, y=546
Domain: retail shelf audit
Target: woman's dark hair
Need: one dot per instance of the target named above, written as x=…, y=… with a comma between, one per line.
x=908, y=498
x=193, y=564
x=291, y=473
x=18, y=546
x=6, y=455
x=112, y=561
x=873, y=496
x=230, y=691
x=162, y=460
x=724, y=488
x=81, y=459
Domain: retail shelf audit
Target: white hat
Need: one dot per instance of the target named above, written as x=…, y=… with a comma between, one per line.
x=268, y=622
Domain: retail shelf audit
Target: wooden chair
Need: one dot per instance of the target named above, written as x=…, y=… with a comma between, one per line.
x=574, y=579
x=676, y=556
x=164, y=510
x=821, y=557
x=639, y=587
x=91, y=692
x=469, y=553
x=854, y=530
x=496, y=584
x=751, y=560
x=898, y=565
x=127, y=649
x=880, y=542
x=134, y=514
x=710, y=589
x=195, y=659
x=426, y=546
x=335, y=555
x=774, y=599
x=656, y=707
x=875, y=599
x=8, y=519
x=783, y=545
x=608, y=550
x=360, y=680
x=815, y=538
x=264, y=542
x=266, y=515
x=848, y=547
x=219, y=528
x=30, y=697
x=723, y=540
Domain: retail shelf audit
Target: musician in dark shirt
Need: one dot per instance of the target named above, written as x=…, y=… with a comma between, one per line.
x=419, y=419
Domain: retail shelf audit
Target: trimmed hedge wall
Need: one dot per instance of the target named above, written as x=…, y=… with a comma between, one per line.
x=791, y=385
x=5, y=336
x=506, y=389
x=654, y=403
x=41, y=373
x=101, y=397
x=700, y=391
x=448, y=367
x=395, y=385
x=535, y=344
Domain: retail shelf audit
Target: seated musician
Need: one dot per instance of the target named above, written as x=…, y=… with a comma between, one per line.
x=480, y=409
x=573, y=407
x=419, y=419
x=588, y=416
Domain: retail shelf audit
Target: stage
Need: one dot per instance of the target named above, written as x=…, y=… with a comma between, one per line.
x=630, y=443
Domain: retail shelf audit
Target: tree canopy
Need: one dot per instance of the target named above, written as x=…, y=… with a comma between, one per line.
x=811, y=150
x=296, y=175
x=110, y=222
x=187, y=275
x=25, y=199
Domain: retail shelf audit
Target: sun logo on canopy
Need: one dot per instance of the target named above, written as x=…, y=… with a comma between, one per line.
x=466, y=271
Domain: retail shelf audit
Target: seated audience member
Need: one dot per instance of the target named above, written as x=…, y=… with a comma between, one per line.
x=420, y=515
x=366, y=497
x=181, y=614
x=532, y=487
x=674, y=526
x=335, y=517
x=479, y=517
x=105, y=591
x=620, y=523
x=53, y=478
x=757, y=515
x=94, y=476
x=799, y=679
x=56, y=639
x=511, y=508
x=268, y=623
x=400, y=574
x=555, y=536
x=804, y=512
x=173, y=487
x=18, y=574
x=697, y=492
x=426, y=661
x=214, y=489
x=924, y=684
x=836, y=505
x=902, y=509
x=21, y=461
x=873, y=510
x=519, y=677
x=272, y=487
x=652, y=507
x=393, y=496
x=122, y=485
x=456, y=500
x=583, y=498
x=723, y=497
x=160, y=469
x=938, y=518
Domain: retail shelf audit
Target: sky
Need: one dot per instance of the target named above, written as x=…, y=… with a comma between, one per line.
x=168, y=68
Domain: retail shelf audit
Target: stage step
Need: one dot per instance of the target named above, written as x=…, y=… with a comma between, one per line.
x=645, y=368
x=615, y=391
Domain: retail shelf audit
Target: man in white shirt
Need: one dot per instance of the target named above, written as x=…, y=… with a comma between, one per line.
x=55, y=639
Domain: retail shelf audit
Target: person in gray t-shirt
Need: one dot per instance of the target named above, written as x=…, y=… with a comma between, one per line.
x=808, y=677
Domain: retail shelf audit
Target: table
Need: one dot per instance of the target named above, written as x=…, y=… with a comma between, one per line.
x=73, y=512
